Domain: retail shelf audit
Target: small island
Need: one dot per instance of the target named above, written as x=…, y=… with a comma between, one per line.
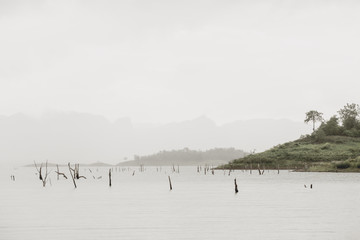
x=186, y=157
x=332, y=147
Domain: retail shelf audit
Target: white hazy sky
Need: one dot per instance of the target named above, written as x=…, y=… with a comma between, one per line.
x=162, y=61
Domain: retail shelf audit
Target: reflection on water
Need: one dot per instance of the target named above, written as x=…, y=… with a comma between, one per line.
x=272, y=206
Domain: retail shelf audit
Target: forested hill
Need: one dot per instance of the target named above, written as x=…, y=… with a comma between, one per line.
x=186, y=156
x=333, y=146
x=328, y=154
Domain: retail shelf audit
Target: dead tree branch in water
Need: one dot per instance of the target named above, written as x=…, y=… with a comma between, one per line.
x=76, y=170
x=60, y=173
x=46, y=174
x=39, y=170
x=70, y=169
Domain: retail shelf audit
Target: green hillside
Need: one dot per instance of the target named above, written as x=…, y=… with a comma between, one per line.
x=334, y=146
x=331, y=153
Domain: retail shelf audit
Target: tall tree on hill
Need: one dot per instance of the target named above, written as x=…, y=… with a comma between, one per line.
x=349, y=115
x=313, y=116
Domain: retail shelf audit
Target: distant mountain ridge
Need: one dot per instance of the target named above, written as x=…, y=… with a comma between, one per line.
x=50, y=164
x=86, y=138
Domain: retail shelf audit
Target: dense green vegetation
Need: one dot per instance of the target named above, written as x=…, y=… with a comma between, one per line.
x=349, y=116
x=332, y=153
x=331, y=147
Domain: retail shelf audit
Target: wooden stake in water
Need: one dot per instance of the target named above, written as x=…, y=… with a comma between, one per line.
x=170, y=183
x=259, y=169
x=236, y=187
x=110, y=177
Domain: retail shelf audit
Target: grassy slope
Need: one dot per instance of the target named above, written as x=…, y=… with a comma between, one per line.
x=333, y=153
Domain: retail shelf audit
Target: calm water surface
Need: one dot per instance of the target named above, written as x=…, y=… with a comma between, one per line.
x=272, y=206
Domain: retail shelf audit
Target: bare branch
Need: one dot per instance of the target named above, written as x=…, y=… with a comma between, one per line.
x=62, y=174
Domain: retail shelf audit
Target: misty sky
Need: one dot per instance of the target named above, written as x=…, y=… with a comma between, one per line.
x=162, y=61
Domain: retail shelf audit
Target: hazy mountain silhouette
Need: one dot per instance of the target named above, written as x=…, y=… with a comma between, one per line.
x=87, y=138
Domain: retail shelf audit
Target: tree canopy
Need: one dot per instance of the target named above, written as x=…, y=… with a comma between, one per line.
x=350, y=123
x=349, y=116
x=313, y=116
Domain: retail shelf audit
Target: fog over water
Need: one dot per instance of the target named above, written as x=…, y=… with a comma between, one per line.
x=102, y=81
x=87, y=138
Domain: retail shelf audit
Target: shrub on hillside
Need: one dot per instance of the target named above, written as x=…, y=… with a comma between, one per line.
x=326, y=146
x=319, y=135
x=343, y=165
x=354, y=132
x=331, y=127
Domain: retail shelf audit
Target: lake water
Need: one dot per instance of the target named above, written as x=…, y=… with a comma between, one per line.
x=271, y=206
